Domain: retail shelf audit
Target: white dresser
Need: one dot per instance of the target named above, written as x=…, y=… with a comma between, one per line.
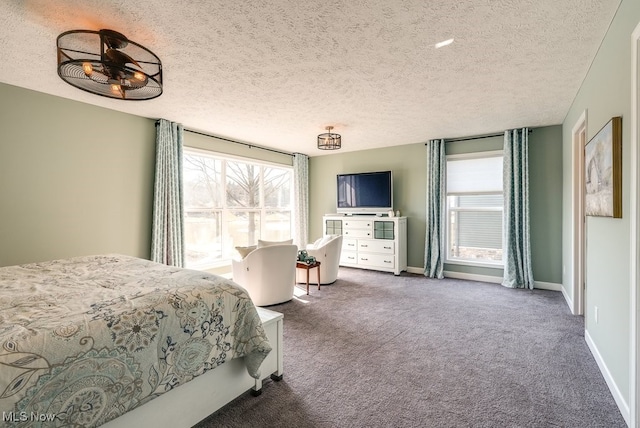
x=370, y=242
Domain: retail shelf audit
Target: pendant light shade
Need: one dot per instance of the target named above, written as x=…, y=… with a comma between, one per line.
x=329, y=141
x=106, y=63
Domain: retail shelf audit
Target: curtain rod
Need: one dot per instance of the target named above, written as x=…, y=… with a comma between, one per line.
x=453, y=140
x=251, y=146
x=480, y=137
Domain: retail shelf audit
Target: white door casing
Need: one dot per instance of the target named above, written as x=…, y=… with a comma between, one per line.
x=579, y=138
x=634, y=250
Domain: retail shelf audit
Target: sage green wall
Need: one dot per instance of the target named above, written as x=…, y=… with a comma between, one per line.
x=75, y=179
x=409, y=186
x=409, y=175
x=605, y=93
x=545, y=198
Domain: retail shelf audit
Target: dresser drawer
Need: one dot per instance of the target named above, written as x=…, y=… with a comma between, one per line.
x=348, y=257
x=349, y=244
x=377, y=260
x=358, y=224
x=385, y=247
x=358, y=233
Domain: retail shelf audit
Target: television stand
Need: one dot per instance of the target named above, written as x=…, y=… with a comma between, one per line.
x=362, y=214
x=378, y=243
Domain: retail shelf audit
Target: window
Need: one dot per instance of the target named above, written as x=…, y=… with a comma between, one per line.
x=230, y=203
x=474, y=209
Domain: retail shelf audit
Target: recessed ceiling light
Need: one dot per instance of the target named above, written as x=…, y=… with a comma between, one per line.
x=444, y=43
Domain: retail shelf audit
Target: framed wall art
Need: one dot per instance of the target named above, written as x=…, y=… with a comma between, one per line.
x=603, y=171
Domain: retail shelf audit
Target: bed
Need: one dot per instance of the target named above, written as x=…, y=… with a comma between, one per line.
x=94, y=339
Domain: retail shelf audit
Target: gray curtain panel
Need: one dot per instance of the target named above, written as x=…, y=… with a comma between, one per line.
x=517, y=245
x=434, y=241
x=301, y=199
x=167, y=236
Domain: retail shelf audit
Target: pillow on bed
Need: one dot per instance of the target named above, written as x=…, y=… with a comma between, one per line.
x=262, y=243
x=244, y=251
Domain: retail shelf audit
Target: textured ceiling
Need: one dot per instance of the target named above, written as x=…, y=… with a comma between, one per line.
x=275, y=73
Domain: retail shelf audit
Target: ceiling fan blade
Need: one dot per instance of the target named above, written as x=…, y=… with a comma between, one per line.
x=120, y=58
x=113, y=39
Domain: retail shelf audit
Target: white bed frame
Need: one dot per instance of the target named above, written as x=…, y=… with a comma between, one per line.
x=190, y=403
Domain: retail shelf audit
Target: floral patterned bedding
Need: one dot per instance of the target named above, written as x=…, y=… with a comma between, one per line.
x=86, y=339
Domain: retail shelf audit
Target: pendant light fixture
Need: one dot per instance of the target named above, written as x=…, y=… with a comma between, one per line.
x=106, y=63
x=329, y=141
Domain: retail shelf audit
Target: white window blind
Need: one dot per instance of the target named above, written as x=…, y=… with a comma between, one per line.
x=475, y=175
x=474, y=209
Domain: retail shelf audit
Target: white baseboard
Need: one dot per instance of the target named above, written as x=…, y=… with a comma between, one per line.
x=547, y=286
x=459, y=275
x=488, y=278
x=473, y=277
x=567, y=299
x=541, y=285
x=617, y=396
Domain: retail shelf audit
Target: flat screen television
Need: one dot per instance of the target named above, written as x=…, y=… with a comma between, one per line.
x=365, y=193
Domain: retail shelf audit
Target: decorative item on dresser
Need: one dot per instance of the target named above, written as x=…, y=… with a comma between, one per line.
x=370, y=242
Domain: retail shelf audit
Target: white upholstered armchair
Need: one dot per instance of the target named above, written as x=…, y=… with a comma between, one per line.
x=267, y=273
x=326, y=250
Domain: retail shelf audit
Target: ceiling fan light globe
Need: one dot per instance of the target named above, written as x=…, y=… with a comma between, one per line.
x=87, y=68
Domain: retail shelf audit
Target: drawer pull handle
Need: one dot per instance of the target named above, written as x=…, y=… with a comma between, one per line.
x=364, y=246
x=387, y=248
x=363, y=259
x=387, y=261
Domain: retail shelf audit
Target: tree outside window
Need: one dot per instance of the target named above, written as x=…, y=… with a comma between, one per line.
x=231, y=203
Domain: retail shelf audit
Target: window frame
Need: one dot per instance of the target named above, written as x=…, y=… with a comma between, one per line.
x=225, y=209
x=448, y=210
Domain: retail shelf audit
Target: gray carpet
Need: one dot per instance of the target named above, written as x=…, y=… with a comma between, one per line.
x=375, y=350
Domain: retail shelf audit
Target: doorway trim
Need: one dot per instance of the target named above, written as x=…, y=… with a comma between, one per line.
x=634, y=249
x=579, y=137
